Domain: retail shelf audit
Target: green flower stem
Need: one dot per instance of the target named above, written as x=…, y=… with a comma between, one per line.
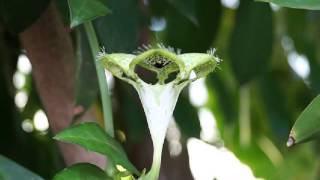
x=105, y=98
x=103, y=86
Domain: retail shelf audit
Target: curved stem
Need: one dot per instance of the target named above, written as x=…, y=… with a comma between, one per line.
x=103, y=86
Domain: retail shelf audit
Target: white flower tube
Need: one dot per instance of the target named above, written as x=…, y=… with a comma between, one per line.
x=159, y=100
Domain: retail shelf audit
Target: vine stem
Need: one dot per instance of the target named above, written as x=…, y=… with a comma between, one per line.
x=244, y=121
x=103, y=85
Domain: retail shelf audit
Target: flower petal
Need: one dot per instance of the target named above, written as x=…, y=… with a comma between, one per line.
x=202, y=64
x=118, y=64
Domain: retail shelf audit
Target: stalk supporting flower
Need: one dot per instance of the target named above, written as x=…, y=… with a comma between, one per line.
x=159, y=99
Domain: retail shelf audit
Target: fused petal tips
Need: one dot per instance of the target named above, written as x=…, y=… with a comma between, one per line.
x=162, y=61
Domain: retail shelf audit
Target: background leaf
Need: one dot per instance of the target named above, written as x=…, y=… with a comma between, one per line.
x=10, y=170
x=82, y=171
x=86, y=10
x=251, y=41
x=92, y=137
x=307, y=126
x=120, y=31
x=193, y=35
x=303, y=4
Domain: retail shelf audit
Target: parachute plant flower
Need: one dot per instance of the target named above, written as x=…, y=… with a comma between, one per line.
x=159, y=99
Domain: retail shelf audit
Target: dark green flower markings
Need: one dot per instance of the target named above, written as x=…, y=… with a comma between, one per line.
x=159, y=100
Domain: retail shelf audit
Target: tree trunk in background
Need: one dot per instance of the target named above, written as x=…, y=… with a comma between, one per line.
x=48, y=45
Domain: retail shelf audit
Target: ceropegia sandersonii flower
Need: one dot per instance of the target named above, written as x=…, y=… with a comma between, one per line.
x=159, y=99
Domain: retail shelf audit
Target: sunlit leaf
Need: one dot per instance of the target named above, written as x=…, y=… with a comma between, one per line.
x=251, y=42
x=303, y=4
x=86, y=10
x=92, y=137
x=307, y=126
x=10, y=170
x=82, y=171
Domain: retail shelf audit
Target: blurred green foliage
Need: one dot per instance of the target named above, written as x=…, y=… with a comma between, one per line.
x=81, y=170
x=255, y=42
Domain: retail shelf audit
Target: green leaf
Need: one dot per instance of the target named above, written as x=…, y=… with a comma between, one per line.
x=192, y=25
x=18, y=15
x=82, y=171
x=302, y=4
x=86, y=10
x=121, y=30
x=251, y=42
x=10, y=170
x=92, y=137
x=307, y=126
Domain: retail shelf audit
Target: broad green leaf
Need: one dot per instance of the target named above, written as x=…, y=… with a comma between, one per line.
x=92, y=137
x=86, y=10
x=18, y=15
x=82, y=171
x=194, y=32
x=307, y=126
x=10, y=170
x=121, y=30
x=302, y=4
x=251, y=41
